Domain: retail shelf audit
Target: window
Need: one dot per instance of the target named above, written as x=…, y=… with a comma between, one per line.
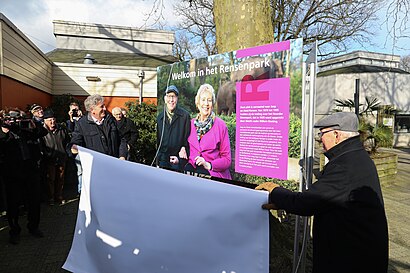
x=402, y=124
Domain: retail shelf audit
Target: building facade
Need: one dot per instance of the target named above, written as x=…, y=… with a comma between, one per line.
x=379, y=77
x=26, y=74
x=114, y=61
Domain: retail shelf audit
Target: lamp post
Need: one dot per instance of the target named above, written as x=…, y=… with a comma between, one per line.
x=141, y=75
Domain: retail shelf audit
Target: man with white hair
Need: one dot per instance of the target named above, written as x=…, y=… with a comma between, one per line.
x=127, y=128
x=349, y=226
x=98, y=130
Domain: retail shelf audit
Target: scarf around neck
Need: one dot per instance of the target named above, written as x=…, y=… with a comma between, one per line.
x=170, y=115
x=202, y=127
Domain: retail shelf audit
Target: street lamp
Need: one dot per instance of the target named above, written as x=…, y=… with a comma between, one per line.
x=141, y=75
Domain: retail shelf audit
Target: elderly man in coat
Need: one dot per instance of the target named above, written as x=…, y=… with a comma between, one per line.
x=173, y=127
x=349, y=227
x=98, y=130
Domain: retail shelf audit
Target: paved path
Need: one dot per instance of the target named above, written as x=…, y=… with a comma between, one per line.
x=41, y=255
x=397, y=203
x=47, y=255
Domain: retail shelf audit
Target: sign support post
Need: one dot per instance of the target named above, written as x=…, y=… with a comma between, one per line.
x=302, y=225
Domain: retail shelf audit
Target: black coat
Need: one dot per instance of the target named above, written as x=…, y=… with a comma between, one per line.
x=174, y=135
x=103, y=138
x=55, y=143
x=349, y=227
x=128, y=130
x=19, y=146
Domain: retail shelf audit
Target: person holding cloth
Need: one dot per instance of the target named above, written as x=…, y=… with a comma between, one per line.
x=97, y=131
x=209, y=147
x=349, y=226
x=173, y=127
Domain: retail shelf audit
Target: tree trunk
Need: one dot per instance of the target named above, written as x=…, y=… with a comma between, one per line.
x=242, y=24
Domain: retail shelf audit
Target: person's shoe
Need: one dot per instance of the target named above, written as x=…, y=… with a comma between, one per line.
x=36, y=233
x=14, y=239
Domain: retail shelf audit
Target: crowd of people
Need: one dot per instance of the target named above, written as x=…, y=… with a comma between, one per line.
x=35, y=151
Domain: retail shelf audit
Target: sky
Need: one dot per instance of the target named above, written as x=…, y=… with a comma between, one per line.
x=34, y=18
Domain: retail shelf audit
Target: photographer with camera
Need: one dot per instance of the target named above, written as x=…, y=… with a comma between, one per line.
x=22, y=172
x=75, y=114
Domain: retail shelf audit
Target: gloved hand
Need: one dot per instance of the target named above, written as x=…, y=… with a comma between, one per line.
x=268, y=186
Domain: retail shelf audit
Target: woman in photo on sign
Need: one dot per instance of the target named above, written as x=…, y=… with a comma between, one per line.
x=209, y=147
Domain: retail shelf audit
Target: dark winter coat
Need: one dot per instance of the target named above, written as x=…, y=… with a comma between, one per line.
x=55, y=143
x=128, y=130
x=20, y=146
x=174, y=135
x=104, y=138
x=349, y=227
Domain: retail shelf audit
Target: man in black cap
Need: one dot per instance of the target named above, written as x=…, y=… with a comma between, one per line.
x=55, y=157
x=173, y=128
x=349, y=227
x=37, y=112
x=35, y=146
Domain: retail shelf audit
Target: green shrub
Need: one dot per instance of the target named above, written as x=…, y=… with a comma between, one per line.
x=230, y=122
x=295, y=135
x=145, y=118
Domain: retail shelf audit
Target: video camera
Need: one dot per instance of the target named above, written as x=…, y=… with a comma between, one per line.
x=14, y=120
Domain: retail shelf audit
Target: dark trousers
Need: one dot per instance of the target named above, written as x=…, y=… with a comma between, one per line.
x=55, y=181
x=2, y=195
x=23, y=188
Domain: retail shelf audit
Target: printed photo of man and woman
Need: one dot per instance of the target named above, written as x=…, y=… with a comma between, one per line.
x=197, y=115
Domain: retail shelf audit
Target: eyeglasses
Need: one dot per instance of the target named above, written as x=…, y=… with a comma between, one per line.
x=169, y=96
x=320, y=134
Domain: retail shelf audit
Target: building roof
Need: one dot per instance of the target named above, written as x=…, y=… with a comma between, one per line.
x=360, y=62
x=358, y=68
x=109, y=58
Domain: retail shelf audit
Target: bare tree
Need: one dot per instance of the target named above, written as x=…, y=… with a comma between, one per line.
x=155, y=14
x=397, y=21
x=196, y=32
x=333, y=23
x=405, y=63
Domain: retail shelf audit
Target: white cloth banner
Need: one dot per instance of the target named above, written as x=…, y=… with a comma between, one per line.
x=136, y=218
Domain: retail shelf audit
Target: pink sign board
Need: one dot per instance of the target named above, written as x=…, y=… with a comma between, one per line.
x=262, y=126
